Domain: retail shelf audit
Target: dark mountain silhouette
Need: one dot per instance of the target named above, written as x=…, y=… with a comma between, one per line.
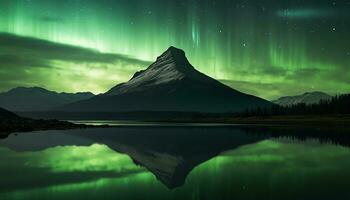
x=306, y=98
x=171, y=83
x=37, y=99
x=4, y=114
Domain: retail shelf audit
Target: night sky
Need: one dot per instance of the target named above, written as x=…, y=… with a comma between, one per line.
x=268, y=48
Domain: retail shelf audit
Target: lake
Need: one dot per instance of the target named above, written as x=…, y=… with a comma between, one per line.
x=177, y=161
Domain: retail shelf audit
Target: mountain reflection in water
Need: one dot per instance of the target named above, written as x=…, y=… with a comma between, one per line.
x=170, y=153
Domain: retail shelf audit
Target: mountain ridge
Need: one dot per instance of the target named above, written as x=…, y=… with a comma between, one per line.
x=307, y=98
x=37, y=98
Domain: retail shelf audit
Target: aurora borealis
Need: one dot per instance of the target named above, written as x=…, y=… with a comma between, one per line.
x=265, y=48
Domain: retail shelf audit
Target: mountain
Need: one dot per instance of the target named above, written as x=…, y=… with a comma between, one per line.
x=4, y=114
x=37, y=99
x=171, y=83
x=307, y=98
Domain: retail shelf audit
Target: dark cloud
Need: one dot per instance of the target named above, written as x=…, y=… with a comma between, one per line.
x=10, y=60
x=316, y=74
x=37, y=51
x=270, y=71
x=307, y=73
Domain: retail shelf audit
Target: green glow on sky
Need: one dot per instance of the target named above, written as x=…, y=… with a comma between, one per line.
x=244, y=44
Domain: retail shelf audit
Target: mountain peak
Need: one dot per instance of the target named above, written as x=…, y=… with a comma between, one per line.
x=306, y=98
x=315, y=93
x=171, y=65
x=172, y=54
x=176, y=51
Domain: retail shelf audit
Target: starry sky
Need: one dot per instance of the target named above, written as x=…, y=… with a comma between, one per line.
x=268, y=48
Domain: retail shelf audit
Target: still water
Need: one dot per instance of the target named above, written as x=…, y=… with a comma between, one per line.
x=176, y=162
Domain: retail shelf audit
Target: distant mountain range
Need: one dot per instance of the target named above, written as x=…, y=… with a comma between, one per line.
x=171, y=83
x=38, y=99
x=307, y=98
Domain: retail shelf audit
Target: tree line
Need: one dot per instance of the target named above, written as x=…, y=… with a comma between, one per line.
x=337, y=105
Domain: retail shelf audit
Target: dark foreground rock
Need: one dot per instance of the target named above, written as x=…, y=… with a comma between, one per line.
x=18, y=124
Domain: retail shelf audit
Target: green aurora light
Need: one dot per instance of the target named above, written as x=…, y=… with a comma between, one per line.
x=255, y=47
